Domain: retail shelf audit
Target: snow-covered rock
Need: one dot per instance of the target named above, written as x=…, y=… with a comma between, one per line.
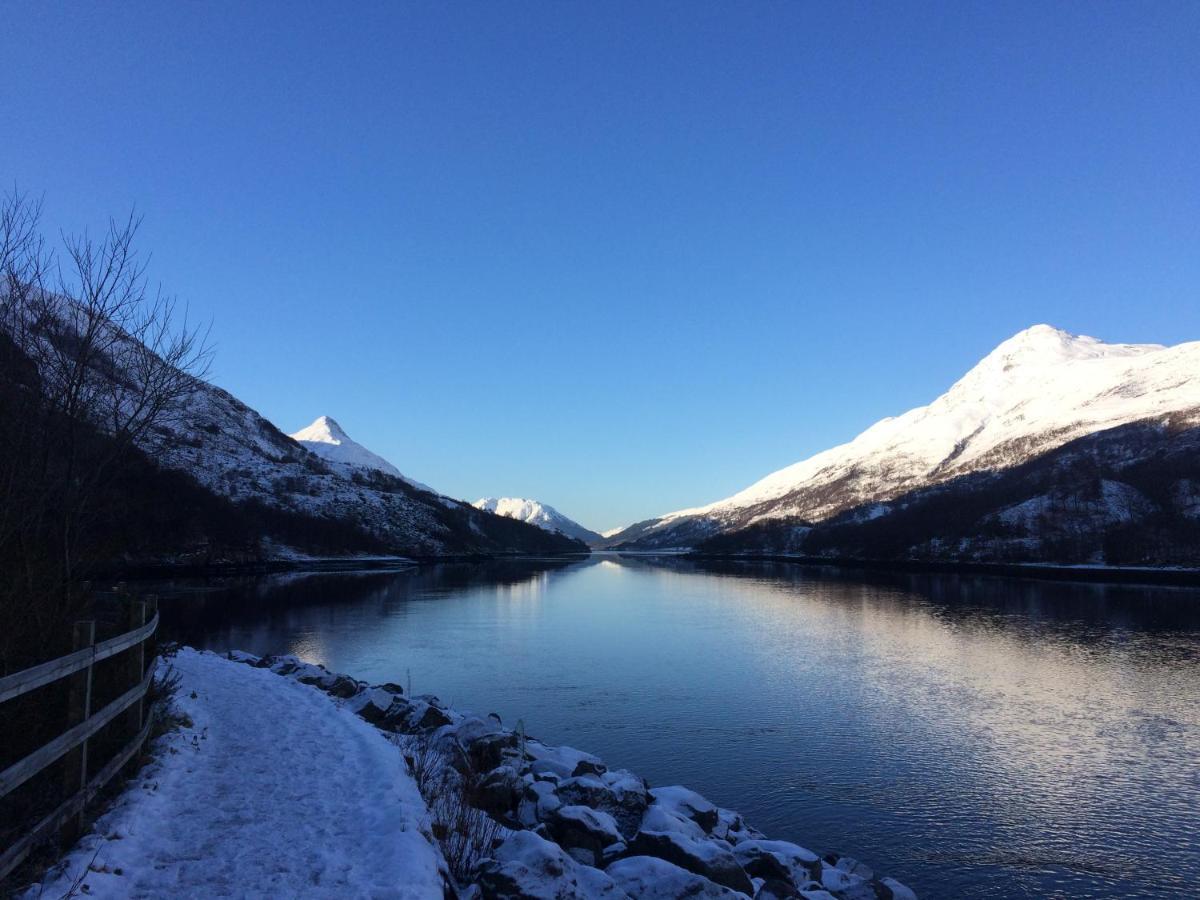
x=650, y=878
x=535, y=513
x=569, y=827
x=529, y=867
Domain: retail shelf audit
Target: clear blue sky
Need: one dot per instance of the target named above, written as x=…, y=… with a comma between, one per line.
x=621, y=257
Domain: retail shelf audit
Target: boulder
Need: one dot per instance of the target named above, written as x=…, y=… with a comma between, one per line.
x=774, y=889
x=632, y=798
x=589, y=766
x=899, y=891
x=372, y=704
x=688, y=803
x=499, y=791
x=550, y=768
x=702, y=856
x=490, y=750
x=659, y=818
x=528, y=867
x=583, y=829
x=778, y=860
x=650, y=878
x=538, y=802
x=342, y=686
x=587, y=790
x=430, y=717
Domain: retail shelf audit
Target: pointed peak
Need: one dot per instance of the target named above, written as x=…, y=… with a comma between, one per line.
x=323, y=429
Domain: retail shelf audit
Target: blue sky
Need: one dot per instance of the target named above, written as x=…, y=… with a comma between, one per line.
x=621, y=257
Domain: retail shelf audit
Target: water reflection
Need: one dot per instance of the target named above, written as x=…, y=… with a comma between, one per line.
x=976, y=736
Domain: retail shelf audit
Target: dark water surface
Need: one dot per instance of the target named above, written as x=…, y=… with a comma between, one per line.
x=972, y=736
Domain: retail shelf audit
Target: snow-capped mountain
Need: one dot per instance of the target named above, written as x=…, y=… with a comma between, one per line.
x=326, y=438
x=545, y=517
x=1038, y=391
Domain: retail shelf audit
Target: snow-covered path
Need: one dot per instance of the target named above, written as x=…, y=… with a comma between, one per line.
x=275, y=792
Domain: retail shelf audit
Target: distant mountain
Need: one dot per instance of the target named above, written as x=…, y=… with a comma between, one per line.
x=545, y=517
x=1040, y=392
x=326, y=438
x=329, y=480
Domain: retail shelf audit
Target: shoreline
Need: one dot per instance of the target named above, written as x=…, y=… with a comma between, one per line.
x=140, y=571
x=566, y=822
x=1181, y=577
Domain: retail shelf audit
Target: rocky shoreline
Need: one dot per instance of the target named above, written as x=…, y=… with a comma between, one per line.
x=529, y=821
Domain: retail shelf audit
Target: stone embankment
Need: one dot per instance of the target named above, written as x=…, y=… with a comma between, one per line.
x=555, y=822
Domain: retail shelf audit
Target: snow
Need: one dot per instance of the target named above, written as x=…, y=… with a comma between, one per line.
x=274, y=791
x=326, y=438
x=650, y=878
x=535, y=513
x=1036, y=391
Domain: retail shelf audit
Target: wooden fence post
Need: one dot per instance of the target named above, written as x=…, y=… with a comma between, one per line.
x=136, y=665
x=79, y=709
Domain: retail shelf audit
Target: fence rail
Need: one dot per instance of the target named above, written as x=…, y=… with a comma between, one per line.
x=48, y=672
x=82, y=723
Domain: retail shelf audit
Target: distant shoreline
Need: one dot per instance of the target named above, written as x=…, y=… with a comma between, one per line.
x=309, y=564
x=1183, y=577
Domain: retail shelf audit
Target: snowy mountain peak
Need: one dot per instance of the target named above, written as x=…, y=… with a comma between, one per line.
x=1043, y=345
x=326, y=438
x=535, y=513
x=1036, y=391
x=323, y=430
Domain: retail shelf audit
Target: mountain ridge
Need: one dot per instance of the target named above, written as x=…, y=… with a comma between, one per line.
x=1033, y=393
x=540, y=514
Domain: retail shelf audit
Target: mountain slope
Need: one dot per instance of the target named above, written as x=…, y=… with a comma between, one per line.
x=545, y=517
x=1126, y=496
x=326, y=438
x=236, y=453
x=1034, y=393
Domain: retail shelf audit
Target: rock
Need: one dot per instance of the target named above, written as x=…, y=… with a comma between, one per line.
x=431, y=717
x=650, y=878
x=391, y=687
x=688, y=803
x=899, y=891
x=538, y=802
x=284, y=665
x=372, y=704
x=550, y=767
x=842, y=883
x=584, y=829
x=632, y=798
x=854, y=867
x=586, y=790
x=499, y=791
x=397, y=716
x=733, y=828
x=490, y=750
x=701, y=856
x=774, y=889
x=528, y=867
x=589, y=767
x=778, y=860
x=342, y=686
x=659, y=818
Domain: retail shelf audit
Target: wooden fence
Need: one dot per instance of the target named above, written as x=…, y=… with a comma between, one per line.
x=81, y=784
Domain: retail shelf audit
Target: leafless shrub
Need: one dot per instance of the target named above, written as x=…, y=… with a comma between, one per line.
x=465, y=833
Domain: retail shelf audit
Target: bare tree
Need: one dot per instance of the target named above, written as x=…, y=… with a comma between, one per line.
x=93, y=367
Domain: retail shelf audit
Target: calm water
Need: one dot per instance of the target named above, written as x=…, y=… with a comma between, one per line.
x=972, y=736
